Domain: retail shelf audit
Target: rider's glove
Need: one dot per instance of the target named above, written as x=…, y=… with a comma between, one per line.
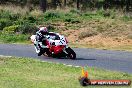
x=40, y=43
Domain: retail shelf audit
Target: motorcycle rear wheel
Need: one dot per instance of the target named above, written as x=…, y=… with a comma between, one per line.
x=46, y=52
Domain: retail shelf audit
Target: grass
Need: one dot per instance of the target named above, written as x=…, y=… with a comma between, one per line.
x=100, y=46
x=14, y=38
x=30, y=73
x=15, y=9
x=125, y=47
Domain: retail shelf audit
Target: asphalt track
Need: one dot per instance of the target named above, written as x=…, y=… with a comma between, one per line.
x=106, y=59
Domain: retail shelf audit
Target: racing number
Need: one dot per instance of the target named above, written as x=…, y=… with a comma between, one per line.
x=62, y=41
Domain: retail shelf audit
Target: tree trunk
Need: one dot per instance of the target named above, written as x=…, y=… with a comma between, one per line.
x=128, y=5
x=65, y=3
x=43, y=5
x=54, y=4
x=78, y=6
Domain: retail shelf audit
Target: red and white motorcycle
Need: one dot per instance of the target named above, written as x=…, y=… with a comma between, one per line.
x=57, y=46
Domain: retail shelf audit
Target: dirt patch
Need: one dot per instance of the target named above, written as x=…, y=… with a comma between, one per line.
x=109, y=33
x=106, y=41
x=97, y=40
x=72, y=35
x=110, y=28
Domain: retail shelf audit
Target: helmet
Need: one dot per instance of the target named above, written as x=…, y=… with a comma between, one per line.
x=43, y=30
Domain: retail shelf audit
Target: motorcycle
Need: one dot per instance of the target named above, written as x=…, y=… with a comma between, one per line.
x=57, y=46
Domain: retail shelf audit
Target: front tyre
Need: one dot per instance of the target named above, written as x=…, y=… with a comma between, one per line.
x=71, y=53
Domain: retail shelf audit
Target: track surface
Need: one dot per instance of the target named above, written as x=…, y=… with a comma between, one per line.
x=107, y=59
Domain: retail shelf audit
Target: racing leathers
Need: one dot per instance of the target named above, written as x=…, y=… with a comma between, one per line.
x=40, y=42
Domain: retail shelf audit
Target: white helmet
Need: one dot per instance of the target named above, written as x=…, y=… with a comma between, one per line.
x=43, y=30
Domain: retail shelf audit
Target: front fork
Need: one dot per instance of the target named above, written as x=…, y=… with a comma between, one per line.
x=64, y=50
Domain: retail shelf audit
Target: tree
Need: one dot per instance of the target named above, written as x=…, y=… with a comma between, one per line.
x=43, y=5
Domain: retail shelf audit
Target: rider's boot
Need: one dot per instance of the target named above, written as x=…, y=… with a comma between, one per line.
x=40, y=53
x=37, y=48
x=42, y=48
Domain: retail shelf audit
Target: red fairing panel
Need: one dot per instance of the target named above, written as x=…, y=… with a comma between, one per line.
x=56, y=49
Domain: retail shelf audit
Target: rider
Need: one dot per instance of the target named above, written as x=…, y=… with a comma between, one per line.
x=40, y=37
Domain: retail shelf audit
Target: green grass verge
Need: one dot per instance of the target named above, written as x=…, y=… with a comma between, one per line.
x=30, y=73
x=21, y=38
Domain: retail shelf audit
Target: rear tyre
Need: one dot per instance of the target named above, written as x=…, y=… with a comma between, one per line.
x=71, y=53
x=84, y=81
x=47, y=52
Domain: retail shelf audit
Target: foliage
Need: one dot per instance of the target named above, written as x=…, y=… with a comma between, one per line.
x=49, y=15
x=51, y=28
x=127, y=18
x=30, y=19
x=7, y=18
x=72, y=16
x=72, y=20
x=12, y=23
x=27, y=29
x=10, y=29
x=5, y=14
x=14, y=17
x=4, y=22
x=75, y=11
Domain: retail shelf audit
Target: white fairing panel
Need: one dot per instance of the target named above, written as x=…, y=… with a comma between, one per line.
x=33, y=38
x=62, y=41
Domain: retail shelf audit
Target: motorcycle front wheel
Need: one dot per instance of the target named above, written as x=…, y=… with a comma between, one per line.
x=71, y=53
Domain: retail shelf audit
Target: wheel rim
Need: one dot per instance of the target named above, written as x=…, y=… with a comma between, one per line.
x=71, y=56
